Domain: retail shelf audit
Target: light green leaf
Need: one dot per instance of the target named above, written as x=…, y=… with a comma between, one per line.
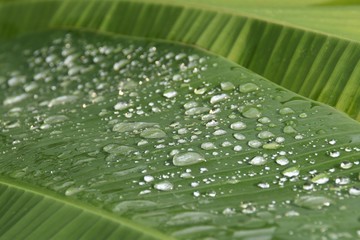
x=62, y=134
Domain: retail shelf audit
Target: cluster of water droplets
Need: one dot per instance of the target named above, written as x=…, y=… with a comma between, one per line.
x=141, y=128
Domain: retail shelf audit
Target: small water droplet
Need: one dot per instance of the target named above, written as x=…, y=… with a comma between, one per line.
x=196, y=111
x=239, y=136
x=289, y=129
x=334, y=154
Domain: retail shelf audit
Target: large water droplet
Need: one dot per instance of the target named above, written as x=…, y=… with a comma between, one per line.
x=258, y=160
x=238, y=126
x=313, y=202
x=188, y=158
x=248, y=87
x=321, y=178
x=251, y=112
x=153, y=133
x=218, y=98
x=164, y=186
x=131, y=126
x=291, y=172
x=169, y=93
x=227, y=86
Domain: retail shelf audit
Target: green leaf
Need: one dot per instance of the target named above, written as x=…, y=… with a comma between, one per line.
x=105, y=128
x=309, y=47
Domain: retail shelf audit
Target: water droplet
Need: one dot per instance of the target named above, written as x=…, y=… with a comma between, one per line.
x=164, y=186
x=334, y=154
x=120, y=64
x=208, y=146
x=169, y=93
x=355, y=191
x=55, y=119
x=321, y=178
x=196, y=111
x=131, y=126
x=254, y=144
x=190, y=218
x=227, y=86
x=282, y=160
x=219, y=132
x=248, y=87
x=264, y=185
x=15, y=99
x=272, y=146
x=346, y=165
x=218, y=98
x=190, y=104
x=148, y=178
x=291, y=172
x=265, y=135
x=258, y=160
x=188, y=158
x=313, y=202
x=251, y=112
x=134, y=206
x=153, y=133
x=238, y=126
x=121, y=106
x=62, y=100
x=118, y=149
x=264, y=120
x=292, y=213
x=289, y=129
x=286, y=111
x=237, y=148
x=239, y=136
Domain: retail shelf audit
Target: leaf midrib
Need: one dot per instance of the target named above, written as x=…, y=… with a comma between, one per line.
x=11, y=183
